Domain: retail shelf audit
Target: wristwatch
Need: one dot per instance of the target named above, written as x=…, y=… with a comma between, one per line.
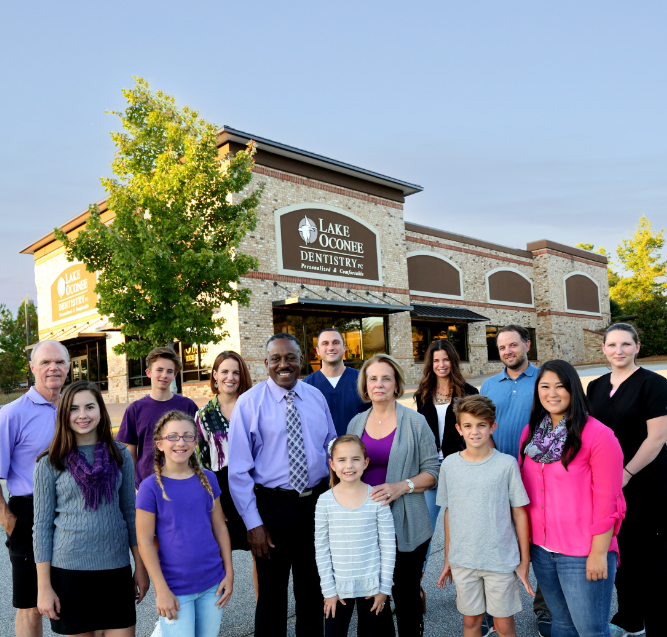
x=411, y=484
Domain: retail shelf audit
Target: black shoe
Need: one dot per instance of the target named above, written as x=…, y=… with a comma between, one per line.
x=487, y=625
x=543, y=623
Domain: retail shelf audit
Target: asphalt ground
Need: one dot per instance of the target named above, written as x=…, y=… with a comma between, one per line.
x=441, y=620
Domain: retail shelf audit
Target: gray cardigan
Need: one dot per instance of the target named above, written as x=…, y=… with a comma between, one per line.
x=413, y=451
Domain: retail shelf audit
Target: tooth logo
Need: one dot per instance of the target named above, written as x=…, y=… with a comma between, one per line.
x=307, y=230
x=61, y=286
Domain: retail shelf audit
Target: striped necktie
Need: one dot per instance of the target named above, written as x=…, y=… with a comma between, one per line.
x=298, y=463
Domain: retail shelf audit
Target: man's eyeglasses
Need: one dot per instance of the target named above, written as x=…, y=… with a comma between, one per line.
x=176, y=437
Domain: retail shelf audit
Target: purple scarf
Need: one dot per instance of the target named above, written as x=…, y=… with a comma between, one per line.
x=98, y=480
x=547, y=443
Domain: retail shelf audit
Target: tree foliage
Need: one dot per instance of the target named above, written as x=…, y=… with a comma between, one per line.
x=170, y=258
x=651, y=323
x=640, y=256
x=13, y=357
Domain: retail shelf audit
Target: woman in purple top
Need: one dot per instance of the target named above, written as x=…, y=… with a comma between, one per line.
x=180, y=505
x=403, y=465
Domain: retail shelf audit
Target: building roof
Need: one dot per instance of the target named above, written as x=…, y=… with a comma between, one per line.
x=440, y=311
x=227, y=134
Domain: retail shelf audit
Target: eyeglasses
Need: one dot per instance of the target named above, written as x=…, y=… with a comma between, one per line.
x=176, y=437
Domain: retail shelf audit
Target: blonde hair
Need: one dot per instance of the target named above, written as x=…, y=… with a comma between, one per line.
x=333, y=478
x=158, y=463
x=399, y=376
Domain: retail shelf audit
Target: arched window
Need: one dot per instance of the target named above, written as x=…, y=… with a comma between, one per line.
x=582, y=293
x=509, y=287
x=434, y=275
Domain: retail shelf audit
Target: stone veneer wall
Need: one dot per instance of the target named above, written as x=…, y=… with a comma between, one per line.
x=593, y=347
x=560, y=332
x=282, y=189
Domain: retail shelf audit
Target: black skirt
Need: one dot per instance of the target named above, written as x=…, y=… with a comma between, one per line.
x=237, y=531
x=93, y=600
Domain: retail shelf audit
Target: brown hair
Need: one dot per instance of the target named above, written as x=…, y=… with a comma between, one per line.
x=164, y=352
x=429, y=380
x=523, y=333
x=333, y=478
x=625, y=327
x=245, y=382
x=476, y=405
x=158, y=463
x=399, y=376
x=64, y=441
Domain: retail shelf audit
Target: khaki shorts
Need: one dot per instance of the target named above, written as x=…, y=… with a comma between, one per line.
x=484, y=591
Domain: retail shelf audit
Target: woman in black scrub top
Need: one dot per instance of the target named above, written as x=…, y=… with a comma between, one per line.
x=633, y=402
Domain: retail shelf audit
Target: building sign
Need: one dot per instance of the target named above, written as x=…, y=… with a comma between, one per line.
x=73, y=293
x=322, y=242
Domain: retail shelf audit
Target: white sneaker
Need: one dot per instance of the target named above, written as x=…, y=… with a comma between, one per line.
x=617, y=631
x=157, y=631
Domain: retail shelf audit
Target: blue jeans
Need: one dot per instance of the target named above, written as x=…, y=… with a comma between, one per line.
x=434, y=512
x=198, y=617
x=579, y=608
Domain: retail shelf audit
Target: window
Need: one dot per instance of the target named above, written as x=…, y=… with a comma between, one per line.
x=492, y=348
x=197, y=365
x=425, y=332
x=364, y=337
x=88, y=361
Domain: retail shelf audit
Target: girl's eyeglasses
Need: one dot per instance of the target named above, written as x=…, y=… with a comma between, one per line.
x=176, y=437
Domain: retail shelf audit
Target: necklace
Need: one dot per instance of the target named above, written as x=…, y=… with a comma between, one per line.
x=385, y=418
x=442, y=399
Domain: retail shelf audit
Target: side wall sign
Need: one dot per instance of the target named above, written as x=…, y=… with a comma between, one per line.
x=73, y=293
x=318, y=241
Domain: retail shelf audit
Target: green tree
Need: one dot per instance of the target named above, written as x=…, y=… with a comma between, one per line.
x=170, y=256
x=13, y=357
x=640, y=256
x=651, y=323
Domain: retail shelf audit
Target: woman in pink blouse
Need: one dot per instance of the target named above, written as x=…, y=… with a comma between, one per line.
x=572, y=468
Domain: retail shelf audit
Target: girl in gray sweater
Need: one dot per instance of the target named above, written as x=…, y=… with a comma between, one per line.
x=84, y=522
x=355, y=546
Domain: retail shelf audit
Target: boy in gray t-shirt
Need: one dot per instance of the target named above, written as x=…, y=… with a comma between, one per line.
x=481, y=492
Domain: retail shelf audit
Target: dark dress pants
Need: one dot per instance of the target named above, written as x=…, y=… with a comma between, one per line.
x=291, y=523
x=641, y=579
x=368, y=624
x=406, y=594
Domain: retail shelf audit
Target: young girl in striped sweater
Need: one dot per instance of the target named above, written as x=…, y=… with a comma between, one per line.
x=180, y=505
x=355, y=546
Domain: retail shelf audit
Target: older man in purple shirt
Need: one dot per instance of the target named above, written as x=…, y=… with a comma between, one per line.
x=279, y=437
x=27, y=426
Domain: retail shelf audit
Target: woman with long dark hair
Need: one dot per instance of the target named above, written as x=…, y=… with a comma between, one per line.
x=440, y=384
x=85, y=522
x=572, y=468
x=632, y=401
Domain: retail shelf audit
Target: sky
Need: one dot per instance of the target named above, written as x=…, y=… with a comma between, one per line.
x=522, y=120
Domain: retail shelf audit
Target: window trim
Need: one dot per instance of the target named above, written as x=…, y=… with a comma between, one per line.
x=597, y=286
x=512, y=303
x=435, y=295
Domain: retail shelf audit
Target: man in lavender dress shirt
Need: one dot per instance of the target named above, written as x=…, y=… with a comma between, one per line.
x=27, y=426
x=279, y=519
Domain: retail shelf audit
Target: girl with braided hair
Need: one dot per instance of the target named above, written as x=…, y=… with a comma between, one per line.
x=180, y=505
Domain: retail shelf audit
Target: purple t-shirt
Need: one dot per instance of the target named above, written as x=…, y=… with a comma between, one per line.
x=189, y=555
x=138, y=426
x=378, y=454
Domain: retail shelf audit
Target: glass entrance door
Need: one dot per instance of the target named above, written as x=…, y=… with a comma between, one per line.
x=79, y=368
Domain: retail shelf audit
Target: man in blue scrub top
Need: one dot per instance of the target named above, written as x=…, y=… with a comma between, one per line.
x=337, y=382
x=512, y=392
